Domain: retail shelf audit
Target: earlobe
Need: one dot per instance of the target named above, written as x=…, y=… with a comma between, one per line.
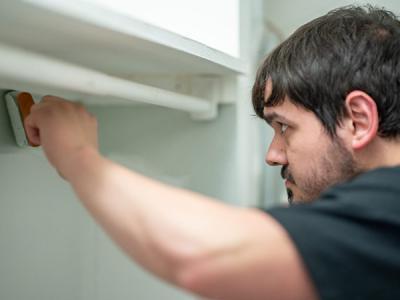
x=363, y=113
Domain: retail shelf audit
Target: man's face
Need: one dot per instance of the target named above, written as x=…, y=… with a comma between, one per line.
x=311, y=160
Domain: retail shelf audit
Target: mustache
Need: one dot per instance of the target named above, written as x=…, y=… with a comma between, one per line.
x=285, y=174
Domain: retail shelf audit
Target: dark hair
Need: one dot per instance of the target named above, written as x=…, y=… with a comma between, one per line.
x=350, y=48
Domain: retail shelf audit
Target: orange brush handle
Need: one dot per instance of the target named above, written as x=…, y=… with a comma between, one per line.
x=25, y=101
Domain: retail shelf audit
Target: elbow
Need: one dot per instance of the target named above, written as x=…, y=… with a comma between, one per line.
x=186, y=266
x=174, y=260
x=192, y=276
x=204, y=272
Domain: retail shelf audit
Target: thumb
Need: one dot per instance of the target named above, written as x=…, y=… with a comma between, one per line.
x=32, y=131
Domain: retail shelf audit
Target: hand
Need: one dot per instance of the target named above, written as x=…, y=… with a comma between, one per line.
x=63, y=129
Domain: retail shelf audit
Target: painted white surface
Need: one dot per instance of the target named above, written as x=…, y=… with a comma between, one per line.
x=60, y=77
x=91, y=36
x=50, y=247
x=53, y=250
x=191, y=18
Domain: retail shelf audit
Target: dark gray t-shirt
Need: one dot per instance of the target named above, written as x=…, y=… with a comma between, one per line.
x=349, y=239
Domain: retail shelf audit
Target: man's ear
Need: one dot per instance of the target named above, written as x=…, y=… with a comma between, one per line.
x=363, y=114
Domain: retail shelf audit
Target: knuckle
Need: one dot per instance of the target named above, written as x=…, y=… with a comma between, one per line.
x=48, y=98
x=81, y=108
x=35, y=107
x=65, y=105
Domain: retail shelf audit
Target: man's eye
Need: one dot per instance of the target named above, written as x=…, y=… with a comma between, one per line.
x=284, y=127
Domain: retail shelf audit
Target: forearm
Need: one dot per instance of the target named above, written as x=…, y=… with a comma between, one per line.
x=161, y=227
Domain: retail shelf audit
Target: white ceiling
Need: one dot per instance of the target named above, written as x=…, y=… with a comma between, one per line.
x=288, y=15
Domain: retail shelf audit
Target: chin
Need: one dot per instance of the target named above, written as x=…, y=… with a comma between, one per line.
x=296, y=197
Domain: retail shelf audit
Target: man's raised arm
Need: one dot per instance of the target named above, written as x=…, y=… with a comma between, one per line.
x=204, y=246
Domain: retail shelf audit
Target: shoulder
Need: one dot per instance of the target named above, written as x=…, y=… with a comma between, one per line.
x=343, y=236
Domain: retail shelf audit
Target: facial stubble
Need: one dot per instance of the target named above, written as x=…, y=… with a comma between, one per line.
x=336, y=166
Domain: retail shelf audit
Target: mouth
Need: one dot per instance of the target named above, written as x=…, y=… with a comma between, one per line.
x=287, y=176
x=289, y=183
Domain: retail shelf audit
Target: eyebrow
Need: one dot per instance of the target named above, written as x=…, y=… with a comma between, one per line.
x=272, y=116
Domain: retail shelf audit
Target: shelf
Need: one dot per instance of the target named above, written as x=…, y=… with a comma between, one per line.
x=23, y=70
x=90, y=36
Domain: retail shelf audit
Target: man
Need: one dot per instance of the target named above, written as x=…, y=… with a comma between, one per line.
x=331, y=93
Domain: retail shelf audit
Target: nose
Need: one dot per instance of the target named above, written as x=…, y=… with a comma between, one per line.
x=276, y=154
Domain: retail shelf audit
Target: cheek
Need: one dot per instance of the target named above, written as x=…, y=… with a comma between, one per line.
x=298, y=165
x=298, y=151
x=303, y=145
x=302, y=157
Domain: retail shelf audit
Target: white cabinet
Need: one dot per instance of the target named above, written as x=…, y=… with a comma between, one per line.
x=82, y=51
x=50, y=247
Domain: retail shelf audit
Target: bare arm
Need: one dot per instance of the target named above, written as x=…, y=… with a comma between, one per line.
x=207, y=247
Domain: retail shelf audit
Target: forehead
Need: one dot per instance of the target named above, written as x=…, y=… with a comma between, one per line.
x=287, y=109
x=283, y=108
x=268, y=89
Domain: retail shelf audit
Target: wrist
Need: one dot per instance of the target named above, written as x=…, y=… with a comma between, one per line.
x=83, y=161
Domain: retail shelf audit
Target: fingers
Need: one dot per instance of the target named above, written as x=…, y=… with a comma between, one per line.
x=31, y=127
x=57, y=102
x=50, y=98
x=62, y=128
x=38, y=113
x=32, y=131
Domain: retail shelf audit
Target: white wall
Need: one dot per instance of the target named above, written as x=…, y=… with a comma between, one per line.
x=288, y=15
x=191, y=18
x=51, y=249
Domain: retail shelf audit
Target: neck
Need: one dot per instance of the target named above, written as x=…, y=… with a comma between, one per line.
x=382, y=152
